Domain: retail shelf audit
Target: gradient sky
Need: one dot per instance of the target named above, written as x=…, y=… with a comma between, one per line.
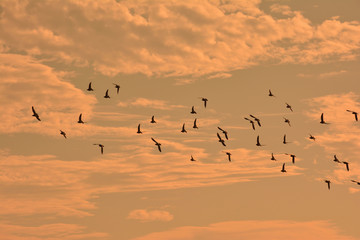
x=166, y=55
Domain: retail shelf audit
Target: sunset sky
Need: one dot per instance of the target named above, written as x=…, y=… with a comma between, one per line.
x=167, y=55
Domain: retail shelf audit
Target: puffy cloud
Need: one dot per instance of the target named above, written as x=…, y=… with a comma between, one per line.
x=144, y=215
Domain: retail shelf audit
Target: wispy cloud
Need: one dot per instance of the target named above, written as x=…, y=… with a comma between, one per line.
x=150, y=103
x=144, y=215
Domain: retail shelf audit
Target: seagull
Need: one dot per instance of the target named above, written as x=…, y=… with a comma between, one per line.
x=270, y=93
x=283, y=168
x=80, y=120
x=358, y=183
x=284, y=141
x=256, y=119
x=272, y=157
x=107, y=94
x=90, y=88
x=183, y=129
x=221, y=140
x=312, y=137
x=192, y=159
x=35, y=114
x=63, y=133
x=229, y=156
x=292, y=157
x=347, y=165
x=195, y=126
x=258, y=142
x=192, y=110
x=224, y=132
x=139, y=131
x=322, y=119
x=336, y=159
x=328, y=183
x=205, y=101
x=288, y=106
x=251, y=121
x=152, y=120
x=355, y=113
x=287, y=121
x=117, y=86
x=101, y=146
x=157, y=144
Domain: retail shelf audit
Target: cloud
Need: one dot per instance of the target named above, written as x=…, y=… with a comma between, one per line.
x=150, y=103
x=144, y=215
x=283, y=9
x=256, y=230
x=322, y=75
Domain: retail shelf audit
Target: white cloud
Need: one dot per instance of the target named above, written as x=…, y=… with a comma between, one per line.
x=144, y=215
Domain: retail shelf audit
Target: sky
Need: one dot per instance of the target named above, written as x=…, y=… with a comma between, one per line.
x=166, y=56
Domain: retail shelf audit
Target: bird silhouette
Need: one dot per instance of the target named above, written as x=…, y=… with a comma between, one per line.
x=256, y=119
x=90, y=88
x=139, y=131
x=251, y=121
x=292, y=157
x=328, y=183
x=117, y=86
x=270, y=94
x=272, y=157
x=355, y=114
x=192, y=159
x=347, y=165
x=195, y=126
x=157, y=144
x=322, y=119
x=63, y=133
x=204, y=100
x=101, y=146
x=311, y=137
x=183, y=129
x=80, y=119
x=336, y=159
x=357, y=182
x=287, y=121
x=283, y=168
x=107, y=94
x=35, y=114
x=284, y=140
x=152, y=120
x=258, y=141
x=289, y=107
x=220, y=139
x=229, y=156
x=193, y=110
x=224, y=132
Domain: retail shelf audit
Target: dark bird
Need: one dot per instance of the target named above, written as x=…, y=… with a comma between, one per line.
x=288, y=106
x=287, y=121
x=251, y=121
x=101, y=146
x=272, y=157
x=195, y=126
x=139, y=131
x=193, y=110
x=183, y=129
x=205, y=101
x=107, y=94
x=312, y=137
x=220, y=139
x=256, y=119
x=157, y=144
x=229, y=156
x=192, y=159
x=328, y=183
x=258, y=141
x=117, y=86
x=292, y=157
x=336, y=159
x=90, y=88
x=283, y=168
x=270, y=93
x=355, y=114
x=358, y=183
x=35, y=114
x=224, y=132
x=63, y=133
x=322, y=119
x=80, y=120
x=347, y=165
x=152, y=120
x=284, y=140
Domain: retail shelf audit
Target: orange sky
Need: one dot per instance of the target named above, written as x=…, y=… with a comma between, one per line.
x=166, y=56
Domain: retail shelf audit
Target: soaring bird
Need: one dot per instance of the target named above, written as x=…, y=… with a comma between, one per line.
x=358, y=183
x=204, y=100
x=328, y=183
x=322, y=119
x=288, y=106
x=311, y=137
x=183, y=129
x=256, y=119
x=347, y=165
x=101, y=146
x=152, y=120
x=229, y=156
x=90, y=88
x=192, y=159
x=80, y=120
x=355, y=114
x=107, y=94
x=336, y=159
x=251, y=121
x=270, y=93
x=220, y=139
x=157, y=144
x=139, y=131
x=195, y=126
x=258, y=141
x=292, y=157
x=272, y=157
x=193, y=110
x=35, y=114
x=63, y=133
x=283, y=168
x=117, y=86
x=287, y=121
x=224, y=132
x=284, y=140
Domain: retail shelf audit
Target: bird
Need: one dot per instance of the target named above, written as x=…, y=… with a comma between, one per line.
x=195, y=126
x=107, y=94
x=139, y=131
x=270, y=94
x=355, y=114
x=287, y=121
x=117, y=86
x=90, y=88
x=256, y=119
x=152, y=120
x=192, y=159
x=272, y=157
x=193, y=110
x=328, y=183
x=221, y=140
x=229, y=156
x=157, y=144
x=292, y=157
x=322, y=119
x=288, y=106
x=358, y=183
x=224, y=132
x=284, y=141
x=336, y=159
x=311, y=137
x=251, y=121
x=101, y=146
x=347, y=165
x=258, y=141
x=80, y=120
x=204, y=100
x=63, y=133
x=183, y=129
x=283, y=168
x=35, y=114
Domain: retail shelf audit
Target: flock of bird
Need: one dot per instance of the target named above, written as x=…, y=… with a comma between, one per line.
x=251, y=119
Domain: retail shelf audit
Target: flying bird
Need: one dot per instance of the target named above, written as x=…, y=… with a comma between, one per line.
x=347, y=165
x=63, y=133
x=224, y=132
x=256, y=119
x=355, y=114
x=270, y=93
x=192, y=159
x=322, y=119
x=183, y=129
x=80, y=119
x=204, y=100
x=287, y=121
x=292, y=157
x=157, y=144
x=101, y=146
x=311, y=137
x=90, y=88
x=258, y=141
x=107, y=94
x=152, y=120
x=195, y=126
x=220, y=139
x=35, y=114
x=193, y=110
x=283, y=168
x=272, y=157
x=336, y=159
x=358, y=183
x=328, y=183
x=229, y=156
x=117, y=86
x=288, y=106
x=251, y=121
x=139, y=131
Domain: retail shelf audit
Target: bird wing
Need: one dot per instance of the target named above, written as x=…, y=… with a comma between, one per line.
x=80, y=117
x=221, y=129
x=33, y=110
x=159, y=147
x=154, y=140
x=322, y=117
x=218, y=136
x=257, y=140
x=356, y=117
x=226, y=136
x=139, y=127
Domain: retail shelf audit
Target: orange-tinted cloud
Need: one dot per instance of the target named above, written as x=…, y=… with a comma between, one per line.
x=144, y=215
